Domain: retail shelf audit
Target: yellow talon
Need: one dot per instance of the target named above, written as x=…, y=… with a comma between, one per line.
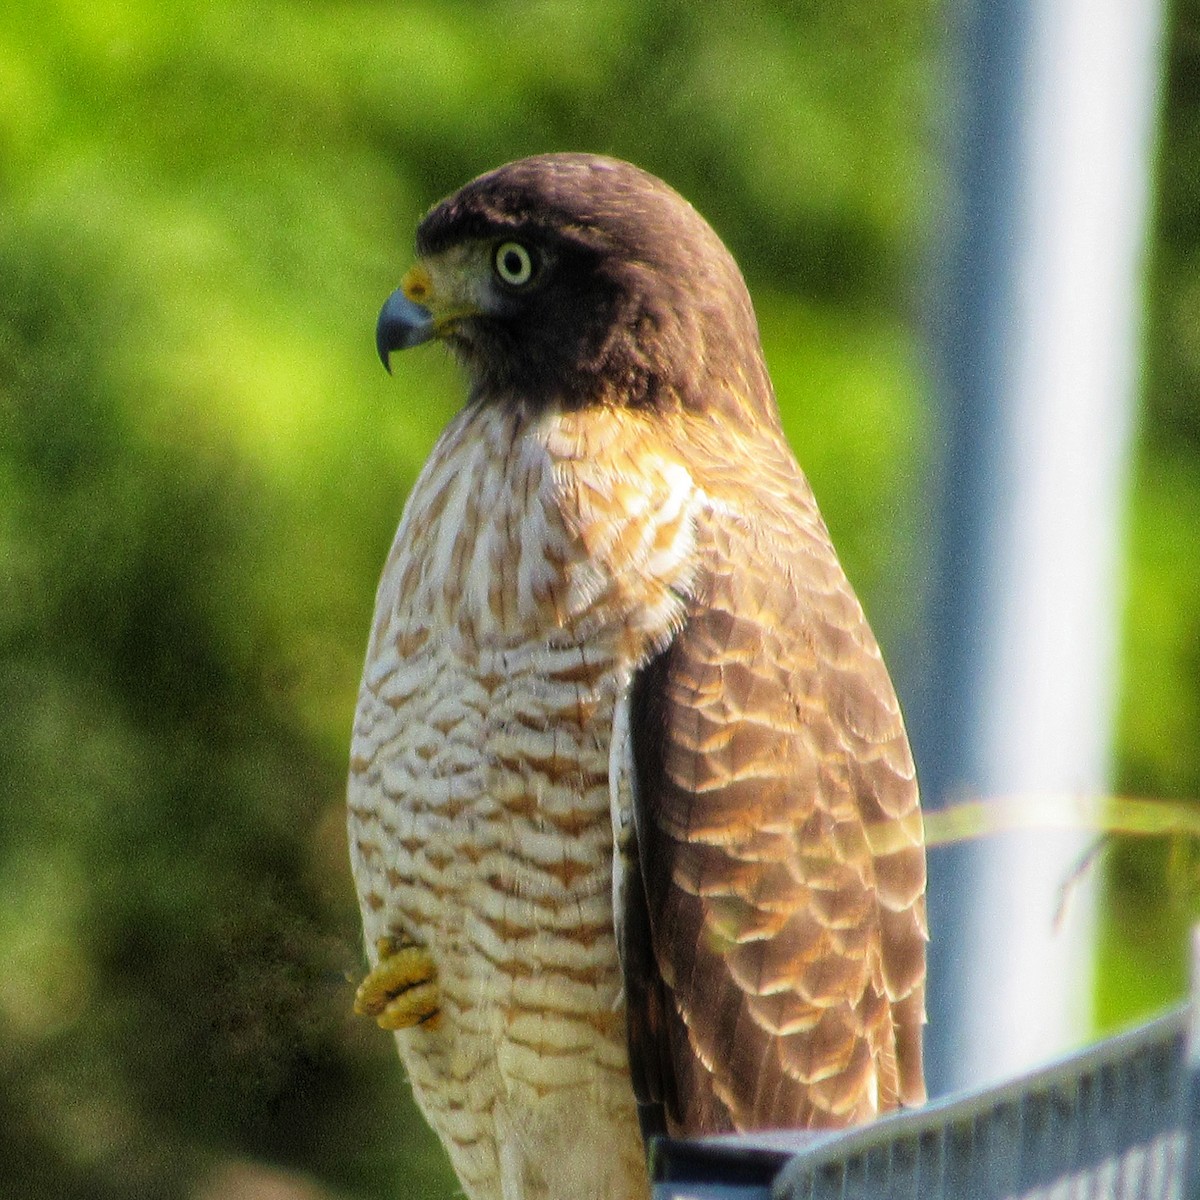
x=402, y=990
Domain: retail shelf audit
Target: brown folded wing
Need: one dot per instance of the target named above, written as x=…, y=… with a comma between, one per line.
x=778, y=834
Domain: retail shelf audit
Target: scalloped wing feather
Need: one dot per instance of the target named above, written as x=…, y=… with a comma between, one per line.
x=779, y=842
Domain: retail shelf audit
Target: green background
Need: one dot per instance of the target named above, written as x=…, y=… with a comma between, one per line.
x=202, y=205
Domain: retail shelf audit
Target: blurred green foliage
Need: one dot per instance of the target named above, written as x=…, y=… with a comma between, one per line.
x=202, y=204
x=1153, y=888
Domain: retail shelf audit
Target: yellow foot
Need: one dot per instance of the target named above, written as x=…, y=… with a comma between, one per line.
x=401, y=991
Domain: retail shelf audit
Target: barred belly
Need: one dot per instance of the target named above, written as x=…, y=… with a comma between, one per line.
x=480, y=802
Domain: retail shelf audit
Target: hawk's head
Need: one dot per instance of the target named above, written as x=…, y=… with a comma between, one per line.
x=573, y=279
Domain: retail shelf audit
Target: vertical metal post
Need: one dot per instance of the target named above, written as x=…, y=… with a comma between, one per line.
x=1191, y=1113
x=1036, y=352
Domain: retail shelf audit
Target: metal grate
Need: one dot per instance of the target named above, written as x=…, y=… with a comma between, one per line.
x=1113, y=1123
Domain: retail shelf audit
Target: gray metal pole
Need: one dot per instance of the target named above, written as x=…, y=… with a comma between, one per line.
x=1035, y=346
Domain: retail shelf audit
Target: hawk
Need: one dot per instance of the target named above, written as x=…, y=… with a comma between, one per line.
x=633, y=816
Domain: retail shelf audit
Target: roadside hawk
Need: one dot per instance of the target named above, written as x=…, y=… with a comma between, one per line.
x=633, y=816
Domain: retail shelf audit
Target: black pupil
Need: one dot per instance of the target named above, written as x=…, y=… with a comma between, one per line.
x=514, y=264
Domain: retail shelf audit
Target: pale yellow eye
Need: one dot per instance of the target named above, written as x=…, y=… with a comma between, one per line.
x=513, y=264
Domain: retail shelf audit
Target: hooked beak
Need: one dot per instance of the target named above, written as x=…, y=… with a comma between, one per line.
x=403, y=322
x=431, y=301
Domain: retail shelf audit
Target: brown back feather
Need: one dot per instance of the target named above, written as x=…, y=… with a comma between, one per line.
x=779, y=841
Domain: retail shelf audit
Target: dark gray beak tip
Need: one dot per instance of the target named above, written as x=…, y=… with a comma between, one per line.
x=402, y=324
